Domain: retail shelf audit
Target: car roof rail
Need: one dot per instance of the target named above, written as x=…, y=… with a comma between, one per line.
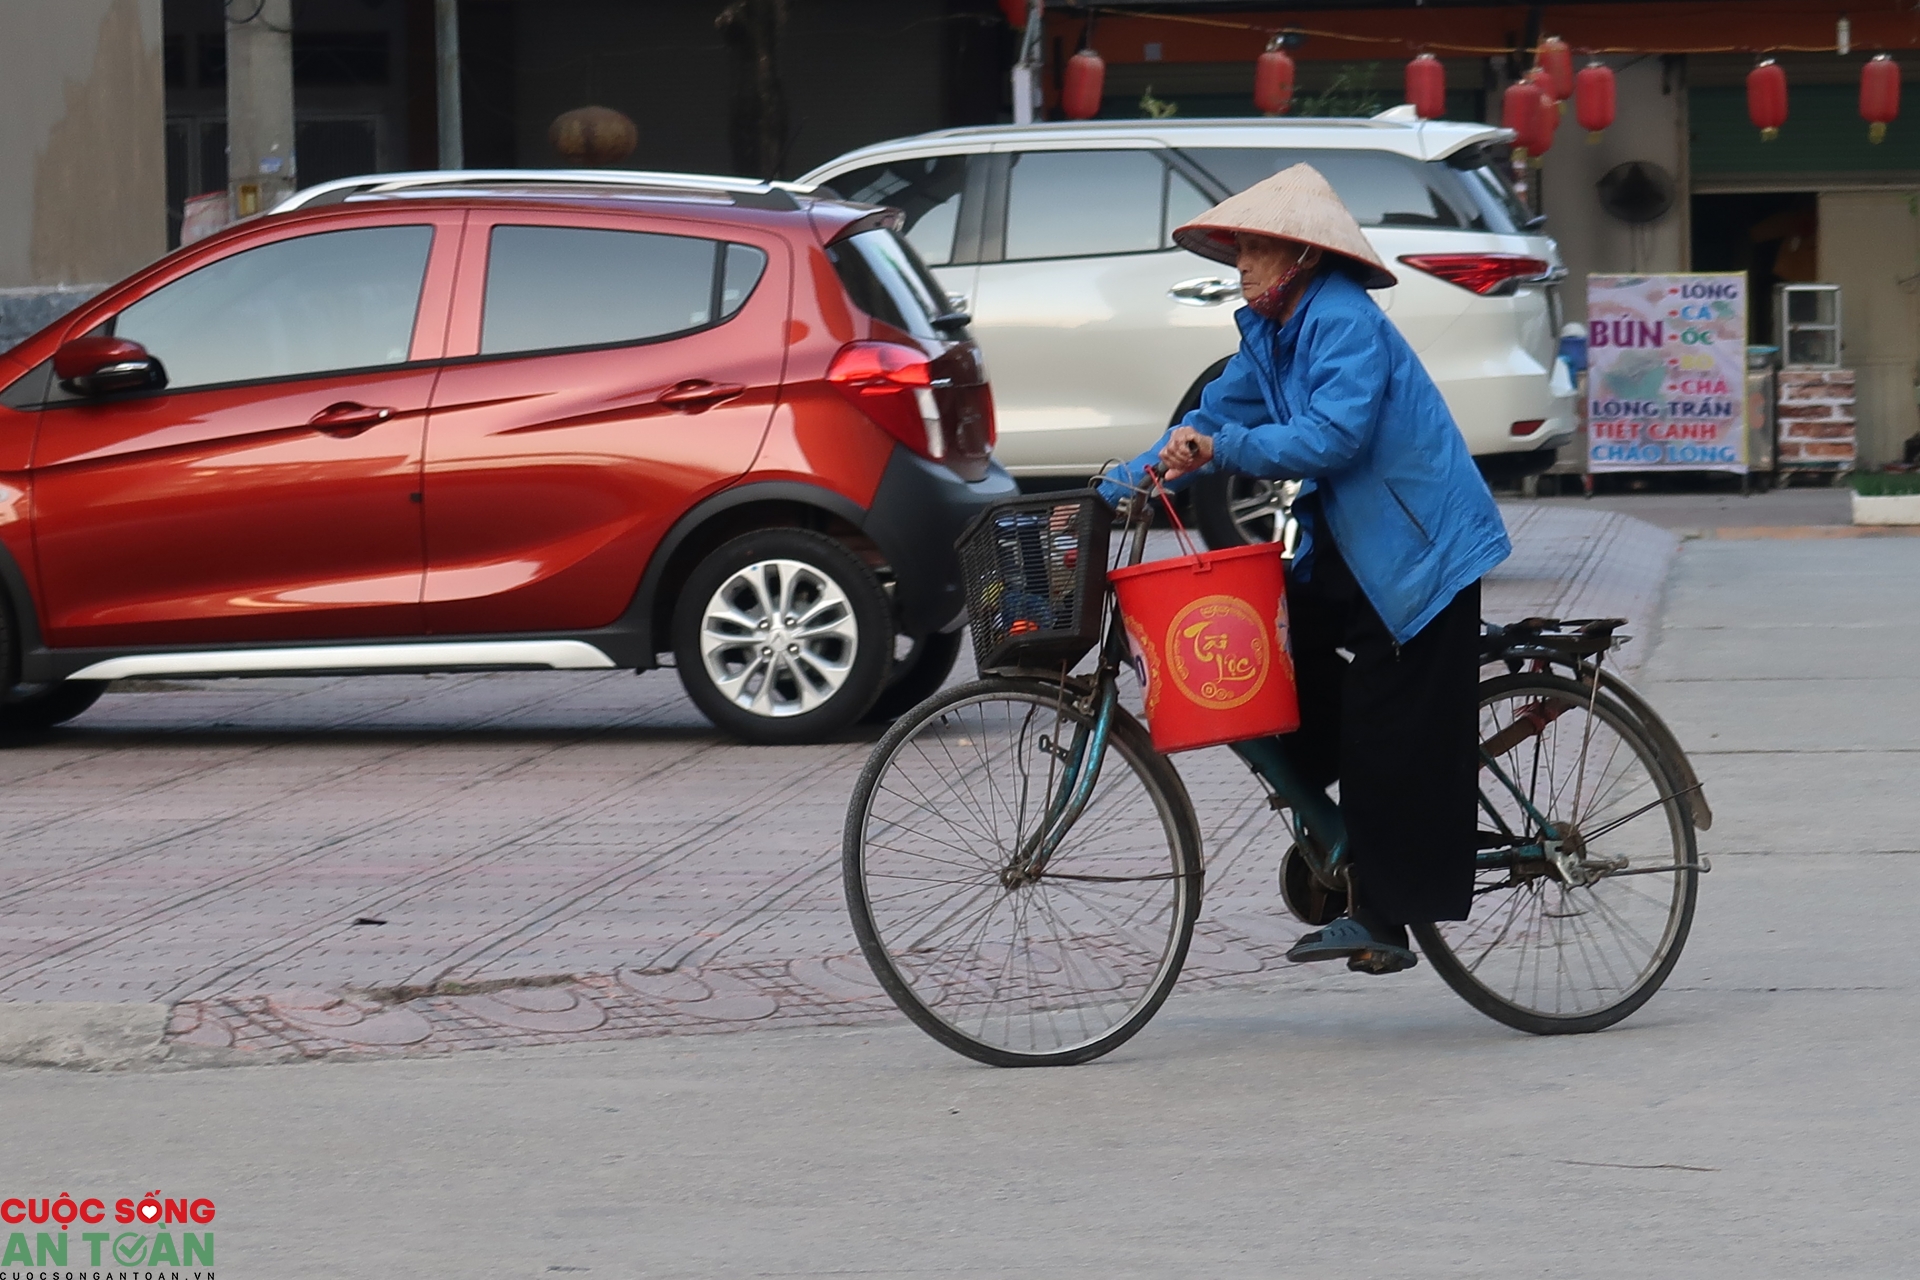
x=749, y=192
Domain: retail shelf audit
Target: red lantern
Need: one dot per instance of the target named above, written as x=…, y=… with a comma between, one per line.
x=1767, y=99
x=1520, y=111
x=1879, y=95
x=1593, y=98
x=1554, y=58
x=1016, y=13
x=1427, y=87
x=1086, y=82
x=1273, y=81
x=1549, y=126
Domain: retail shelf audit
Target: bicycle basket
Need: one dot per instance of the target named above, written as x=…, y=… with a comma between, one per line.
x=1036, y=571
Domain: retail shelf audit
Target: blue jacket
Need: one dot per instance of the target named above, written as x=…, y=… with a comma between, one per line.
x=1337, y=398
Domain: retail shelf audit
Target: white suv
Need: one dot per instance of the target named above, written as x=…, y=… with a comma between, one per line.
x=1098, y=332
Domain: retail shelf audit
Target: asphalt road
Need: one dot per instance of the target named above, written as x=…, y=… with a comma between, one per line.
x=1755, y=1120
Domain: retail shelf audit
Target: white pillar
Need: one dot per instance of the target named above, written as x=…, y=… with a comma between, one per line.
x=260, y=159
x=446, y=40
x=1026, y=68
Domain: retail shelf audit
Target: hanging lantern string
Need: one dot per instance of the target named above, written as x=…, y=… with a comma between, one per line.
x=1445, y=46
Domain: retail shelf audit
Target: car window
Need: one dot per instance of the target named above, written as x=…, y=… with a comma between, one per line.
x=312, y=304
x=557, y=287
x=1069, y=204
x=887, y=280
x=740, y=271
x=1482, y=176
x=1185, y=202
x=1381, y=188
x=928, y=191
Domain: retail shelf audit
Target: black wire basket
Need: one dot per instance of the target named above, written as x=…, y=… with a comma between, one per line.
x=1036, y=571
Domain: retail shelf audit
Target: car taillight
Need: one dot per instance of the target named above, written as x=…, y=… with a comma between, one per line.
x=1527, y=427
x=893, y=385
x=1483, y=273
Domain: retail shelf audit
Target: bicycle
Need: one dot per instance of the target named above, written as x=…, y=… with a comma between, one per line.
x=1024, y=871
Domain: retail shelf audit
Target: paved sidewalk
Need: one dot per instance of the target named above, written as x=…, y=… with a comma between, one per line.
x=419, y=865
x=1753, y=1122
x=1803, y=506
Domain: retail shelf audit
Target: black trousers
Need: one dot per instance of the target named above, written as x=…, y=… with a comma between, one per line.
x=1397, y=727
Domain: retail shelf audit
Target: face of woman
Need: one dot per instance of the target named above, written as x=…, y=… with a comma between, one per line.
x=1264, y=259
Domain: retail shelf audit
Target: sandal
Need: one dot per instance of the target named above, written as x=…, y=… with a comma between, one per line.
x=1349, y=939
x=1343, y=938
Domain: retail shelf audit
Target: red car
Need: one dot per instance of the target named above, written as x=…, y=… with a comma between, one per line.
x=455, y=422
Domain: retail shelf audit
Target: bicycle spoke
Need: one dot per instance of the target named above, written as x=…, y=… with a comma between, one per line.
x=1562, y=939
x=1031, y=966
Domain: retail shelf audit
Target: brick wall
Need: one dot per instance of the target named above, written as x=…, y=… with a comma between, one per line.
x=1816, y=419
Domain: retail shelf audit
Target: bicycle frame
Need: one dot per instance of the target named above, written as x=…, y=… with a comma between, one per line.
x=1317, y=822
x=1322, y=832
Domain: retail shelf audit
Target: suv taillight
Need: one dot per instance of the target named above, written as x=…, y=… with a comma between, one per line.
x=893, y=384
x=1482, y=273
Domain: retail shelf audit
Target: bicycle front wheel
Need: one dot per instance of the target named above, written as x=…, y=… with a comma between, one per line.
x=1007, y=970
x=1576, y=938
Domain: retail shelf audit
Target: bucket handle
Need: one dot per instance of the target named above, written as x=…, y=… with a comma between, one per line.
x=1179, y=529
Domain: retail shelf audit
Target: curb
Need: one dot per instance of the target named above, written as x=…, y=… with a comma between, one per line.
x=82, y=1037
x=1796, y=532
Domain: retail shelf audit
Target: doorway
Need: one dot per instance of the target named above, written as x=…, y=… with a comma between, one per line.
x=1772, y=236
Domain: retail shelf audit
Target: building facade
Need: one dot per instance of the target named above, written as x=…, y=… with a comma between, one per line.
x=118, y=116
x=82, y=189
x=1819, y=203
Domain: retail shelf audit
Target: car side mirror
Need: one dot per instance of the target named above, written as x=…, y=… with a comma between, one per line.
x=102, y=366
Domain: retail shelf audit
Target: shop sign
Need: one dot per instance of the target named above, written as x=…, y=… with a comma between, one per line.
x=1666, y=380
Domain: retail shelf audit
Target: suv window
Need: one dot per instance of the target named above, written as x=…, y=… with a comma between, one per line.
x=1071, y=204
x=928, y=191
x=558, y=287
x=312, y=304
x=887, y=280
x=1483, y=175
x=1381, y=188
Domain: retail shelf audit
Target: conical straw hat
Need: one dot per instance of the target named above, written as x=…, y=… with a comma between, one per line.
x=1294, y=204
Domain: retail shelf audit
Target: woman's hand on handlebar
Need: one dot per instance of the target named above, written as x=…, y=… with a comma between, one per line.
x=1185, y=451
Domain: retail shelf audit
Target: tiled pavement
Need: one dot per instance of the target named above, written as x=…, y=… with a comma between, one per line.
x=424, y=864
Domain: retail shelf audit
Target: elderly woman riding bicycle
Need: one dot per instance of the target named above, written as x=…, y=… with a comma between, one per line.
x=1397, y=529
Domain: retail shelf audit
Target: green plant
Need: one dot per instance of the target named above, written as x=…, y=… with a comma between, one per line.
x=1886, y=484
x=1353, y=91
x=1157, y=108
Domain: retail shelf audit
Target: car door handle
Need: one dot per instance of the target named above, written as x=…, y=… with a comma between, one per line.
x=697, y=394
x=1204, y=292
x=348, y=418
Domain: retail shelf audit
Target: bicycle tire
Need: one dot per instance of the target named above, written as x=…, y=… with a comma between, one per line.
x=1635, y=704
x=1469, y=956
x=968, y=993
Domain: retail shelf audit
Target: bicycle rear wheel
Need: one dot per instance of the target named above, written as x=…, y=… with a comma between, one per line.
x=1578, y=942
x=1050, y=972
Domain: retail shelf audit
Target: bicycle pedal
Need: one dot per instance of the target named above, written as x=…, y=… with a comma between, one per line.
x=1380, y=962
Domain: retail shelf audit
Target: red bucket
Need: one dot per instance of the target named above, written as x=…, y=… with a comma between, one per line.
x=1209, y=638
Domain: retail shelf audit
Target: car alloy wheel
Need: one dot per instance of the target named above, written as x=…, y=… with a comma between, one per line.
x=783, y=636
x=1238, y=511
x=779, y=638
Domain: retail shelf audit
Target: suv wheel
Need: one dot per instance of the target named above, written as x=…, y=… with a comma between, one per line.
x=783, y=636
x=34, y=708
x=1236, y=511
x=918, y=675
x=49, y=705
